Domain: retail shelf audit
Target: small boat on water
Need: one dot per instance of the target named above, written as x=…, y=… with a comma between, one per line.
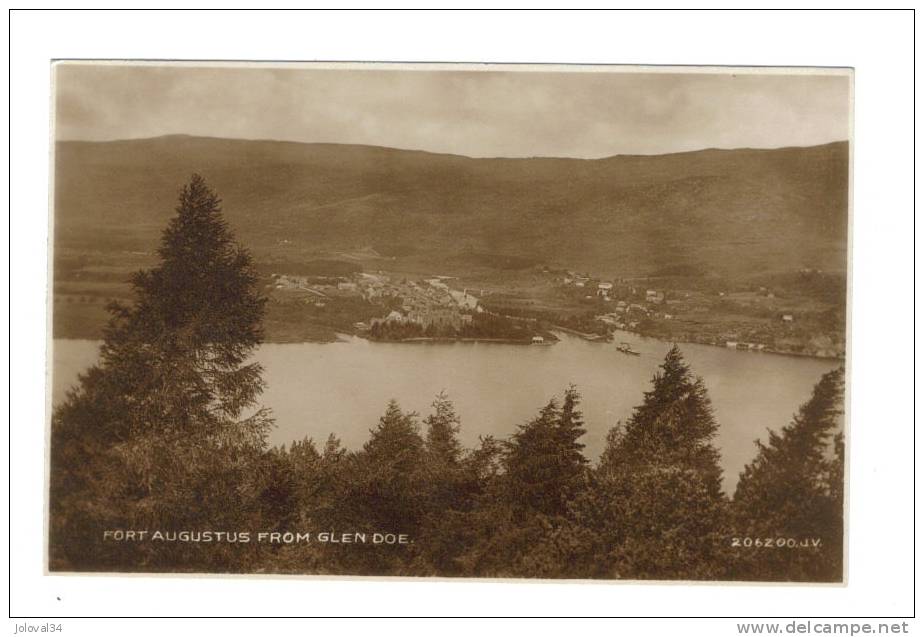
x=625, y=349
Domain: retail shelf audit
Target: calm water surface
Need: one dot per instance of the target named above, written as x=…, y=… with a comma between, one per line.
x=315, y=389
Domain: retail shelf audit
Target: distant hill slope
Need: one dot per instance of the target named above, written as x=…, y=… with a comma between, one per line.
x=725, y=211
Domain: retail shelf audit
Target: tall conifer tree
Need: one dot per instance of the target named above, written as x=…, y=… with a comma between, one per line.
x=657, y=505
x=794, y=489
x=442, y=432
x=162, y=429
x=543, y=461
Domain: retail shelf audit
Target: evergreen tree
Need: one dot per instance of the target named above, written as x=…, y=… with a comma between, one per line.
x=656, y=504
x=521, y=524
x=544, y=466
x=673, y=425
x=275, y=476
x=386, y=478
x=381, y=489
x=333, y=451
x=396, y=441
x=443, y=426
x=794, y=489
x=570, y=430
x=163, y=429
x=303, y=453
x=452, y=485
x=321, y=483
x=532, y=455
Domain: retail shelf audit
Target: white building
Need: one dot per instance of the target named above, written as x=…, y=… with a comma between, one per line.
x=464, y=300
x=438, y=284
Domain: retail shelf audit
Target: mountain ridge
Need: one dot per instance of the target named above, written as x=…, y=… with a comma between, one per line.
x=180, y=136
x=723, y=210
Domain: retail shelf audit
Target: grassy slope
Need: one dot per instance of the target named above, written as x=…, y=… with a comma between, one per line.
x=732, y=212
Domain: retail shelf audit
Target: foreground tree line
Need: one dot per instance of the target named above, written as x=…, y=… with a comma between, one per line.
x=165, y=434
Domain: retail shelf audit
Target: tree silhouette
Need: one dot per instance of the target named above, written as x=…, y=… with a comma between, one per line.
x=164, y=428
x=794, y=489
x=656, y=503
x=442, y=440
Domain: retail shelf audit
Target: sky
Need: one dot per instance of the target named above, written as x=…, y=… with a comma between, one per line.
x=480, y=113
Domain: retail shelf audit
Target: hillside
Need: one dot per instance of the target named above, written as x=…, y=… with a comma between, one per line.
x=730, y=212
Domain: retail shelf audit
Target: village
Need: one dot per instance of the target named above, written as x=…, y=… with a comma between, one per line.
x=428, y=303
x=411, y=308
x=743, y=317
x=391, y=306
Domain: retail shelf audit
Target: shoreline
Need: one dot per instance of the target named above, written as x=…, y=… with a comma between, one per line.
x=591, y=338
x=587, y=336
x=451, y=339
x=766, y=350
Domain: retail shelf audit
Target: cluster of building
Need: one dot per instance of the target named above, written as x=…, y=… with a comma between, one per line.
x=629, y=309
x=317, y=290
x=427, y=303
x=625, y=315
x=742, y=345
x=656, y=312
x=431, y=304
x=324, y=287
x=607, y=290
x=441, y=319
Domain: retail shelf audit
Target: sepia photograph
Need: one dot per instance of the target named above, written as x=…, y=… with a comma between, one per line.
x=548, y=322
